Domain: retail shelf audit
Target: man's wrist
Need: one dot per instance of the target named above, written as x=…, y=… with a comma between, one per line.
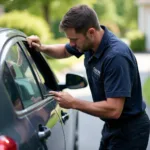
x=74, y=103
x=43, y=48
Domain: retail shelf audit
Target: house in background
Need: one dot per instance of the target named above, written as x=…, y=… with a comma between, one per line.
x=144, y=19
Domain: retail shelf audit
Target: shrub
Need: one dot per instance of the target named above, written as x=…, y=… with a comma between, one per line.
x=113, y=27
x=27, y=23
x=146, y=89
x=137, y=40
x=56, y=41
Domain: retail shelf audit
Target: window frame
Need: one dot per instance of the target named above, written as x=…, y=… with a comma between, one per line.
x=6, y=50
x=47, y=74
x=35, y=70
x=32, y=70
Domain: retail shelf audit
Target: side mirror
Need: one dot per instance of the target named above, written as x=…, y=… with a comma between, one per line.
x=74, y=81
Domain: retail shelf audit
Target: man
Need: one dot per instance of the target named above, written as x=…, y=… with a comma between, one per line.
x=113, y=78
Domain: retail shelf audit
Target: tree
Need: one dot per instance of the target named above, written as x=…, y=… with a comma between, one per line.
x=49, y=9
x=127, y=11
x=121, y=13
x=107, y=14
x=105, y=11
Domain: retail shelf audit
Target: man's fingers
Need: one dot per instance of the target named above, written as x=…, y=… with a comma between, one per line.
x=36, y=45
x=57, y=98
x=55, y=93
x=29, y=41
x=33, y=39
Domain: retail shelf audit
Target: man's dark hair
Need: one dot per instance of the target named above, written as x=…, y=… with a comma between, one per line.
x=81, y=18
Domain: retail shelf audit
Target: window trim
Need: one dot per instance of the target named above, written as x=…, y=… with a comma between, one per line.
x=32, y=70
x=35, y=70
x=34, y=107
x=45, y=73
x=6, y=49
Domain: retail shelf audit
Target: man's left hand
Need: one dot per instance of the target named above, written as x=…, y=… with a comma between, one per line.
x=64, y=99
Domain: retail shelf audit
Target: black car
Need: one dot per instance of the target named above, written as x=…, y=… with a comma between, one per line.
x=30, y=117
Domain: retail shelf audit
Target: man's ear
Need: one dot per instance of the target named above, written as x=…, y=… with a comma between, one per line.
x=90, y=32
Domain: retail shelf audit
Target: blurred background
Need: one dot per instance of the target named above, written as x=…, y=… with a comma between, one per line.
x=128, y=19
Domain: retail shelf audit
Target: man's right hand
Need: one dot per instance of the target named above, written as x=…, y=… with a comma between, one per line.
x=55, y=50
x=34, y=41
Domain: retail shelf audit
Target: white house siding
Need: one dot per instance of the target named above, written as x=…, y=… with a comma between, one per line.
x=148, y=29
x=144, y=20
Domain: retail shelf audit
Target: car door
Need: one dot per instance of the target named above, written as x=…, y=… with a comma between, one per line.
x=46, y=131
x=57, y=141
x=68, y=117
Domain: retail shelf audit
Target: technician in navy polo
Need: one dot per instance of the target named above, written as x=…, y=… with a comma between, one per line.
x=113, y=78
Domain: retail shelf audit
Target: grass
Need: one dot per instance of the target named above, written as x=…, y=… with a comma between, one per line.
x=146, y=90
x=59, y=65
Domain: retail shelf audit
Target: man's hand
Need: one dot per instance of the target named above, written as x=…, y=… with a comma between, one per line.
x=64, y=99
x=34, y=41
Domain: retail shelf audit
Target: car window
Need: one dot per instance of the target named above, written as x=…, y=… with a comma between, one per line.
x=39, y=76
x=11, y=88
x=23, y=76
x=46, y=75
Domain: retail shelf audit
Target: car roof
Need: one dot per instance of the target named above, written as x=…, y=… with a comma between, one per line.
x=8, y=33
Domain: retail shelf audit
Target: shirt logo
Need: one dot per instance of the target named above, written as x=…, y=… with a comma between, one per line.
x=96, y=71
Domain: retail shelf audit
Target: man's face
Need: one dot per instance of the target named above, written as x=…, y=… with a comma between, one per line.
x=78, y=40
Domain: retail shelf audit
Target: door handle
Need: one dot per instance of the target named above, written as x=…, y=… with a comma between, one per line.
x=64, y=116
x=44, y=132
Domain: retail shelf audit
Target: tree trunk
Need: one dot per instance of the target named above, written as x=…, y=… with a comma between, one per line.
x=46, y=13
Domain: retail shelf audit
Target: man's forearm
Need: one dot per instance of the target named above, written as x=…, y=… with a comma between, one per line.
x=109, y=108
x=55, y=51
x=101, y=109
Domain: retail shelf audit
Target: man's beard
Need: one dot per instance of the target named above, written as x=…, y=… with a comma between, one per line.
x=88, y=45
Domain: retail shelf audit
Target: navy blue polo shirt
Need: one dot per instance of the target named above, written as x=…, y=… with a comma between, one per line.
x=113, y=72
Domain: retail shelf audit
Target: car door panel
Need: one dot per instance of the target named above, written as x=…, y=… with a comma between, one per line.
x=18, y=127
x=48, y=116
x=36, y=112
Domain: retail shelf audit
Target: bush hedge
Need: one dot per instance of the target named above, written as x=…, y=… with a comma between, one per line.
x=145, y=90
x=27, y=23
x=137, y=40
x=113, y=27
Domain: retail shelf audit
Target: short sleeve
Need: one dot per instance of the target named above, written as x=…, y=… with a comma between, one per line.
x=73, y=51
x=118, y=77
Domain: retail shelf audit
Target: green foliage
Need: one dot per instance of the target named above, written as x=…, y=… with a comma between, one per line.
x=113, y=27
x=59, y=65
x=56, y=41
x=107, y=15
x=60, y=7
x=122, y=13
x=104, y=11
x=59, y=40
x=27, y=23
x=115, y=13
x=55, y=29
x=137, y=40
x=127, y=12
x=146, y=89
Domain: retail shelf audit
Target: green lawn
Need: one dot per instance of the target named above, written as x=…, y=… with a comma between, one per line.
x=146, y=90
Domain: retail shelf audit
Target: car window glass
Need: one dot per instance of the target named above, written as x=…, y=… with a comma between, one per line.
x=11, y=88
x=37, y=72
x=23, y=76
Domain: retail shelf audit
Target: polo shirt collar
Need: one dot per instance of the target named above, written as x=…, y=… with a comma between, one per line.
x=103, y=43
